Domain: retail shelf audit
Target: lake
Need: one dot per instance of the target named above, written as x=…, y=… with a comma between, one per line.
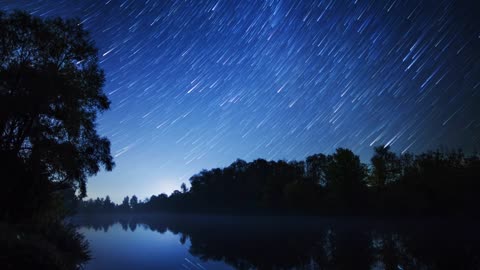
x=214, y=242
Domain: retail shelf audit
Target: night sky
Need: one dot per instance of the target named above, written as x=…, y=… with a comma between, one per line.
x=197, y=84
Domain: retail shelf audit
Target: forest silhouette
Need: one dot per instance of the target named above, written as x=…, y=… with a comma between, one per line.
x=434, y=183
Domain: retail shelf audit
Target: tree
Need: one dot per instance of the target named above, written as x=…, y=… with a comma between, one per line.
x=385, y=167
x=134, y=202
x=108, y=205
x=50, y=95
x=315, y=168
x=125, y=203
x=184, y=188
x=345, y=176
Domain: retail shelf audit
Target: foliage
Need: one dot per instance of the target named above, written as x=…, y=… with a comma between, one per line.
x=431, y=183
x=50, y=94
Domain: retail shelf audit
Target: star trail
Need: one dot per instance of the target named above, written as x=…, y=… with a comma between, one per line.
x=198, y=84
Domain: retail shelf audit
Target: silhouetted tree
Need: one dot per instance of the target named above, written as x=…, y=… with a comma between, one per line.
x=183, y=187
x=316, y=166
x=108, y=205
x=385, y=167
x=345, y=179
x=50, y=94
x=134, y=202
x=125, y=206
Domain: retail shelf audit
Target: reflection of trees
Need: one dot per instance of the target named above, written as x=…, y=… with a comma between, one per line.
x=286, y=243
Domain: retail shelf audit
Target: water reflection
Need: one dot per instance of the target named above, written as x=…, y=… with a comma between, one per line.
x=308, y=243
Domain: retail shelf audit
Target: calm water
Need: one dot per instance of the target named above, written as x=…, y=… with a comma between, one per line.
x=186, y=242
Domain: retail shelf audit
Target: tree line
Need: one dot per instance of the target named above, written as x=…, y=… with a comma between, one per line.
x=106, y=205
x=430, y=183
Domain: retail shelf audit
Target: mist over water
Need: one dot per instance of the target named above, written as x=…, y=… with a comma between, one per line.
x=206, y=242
